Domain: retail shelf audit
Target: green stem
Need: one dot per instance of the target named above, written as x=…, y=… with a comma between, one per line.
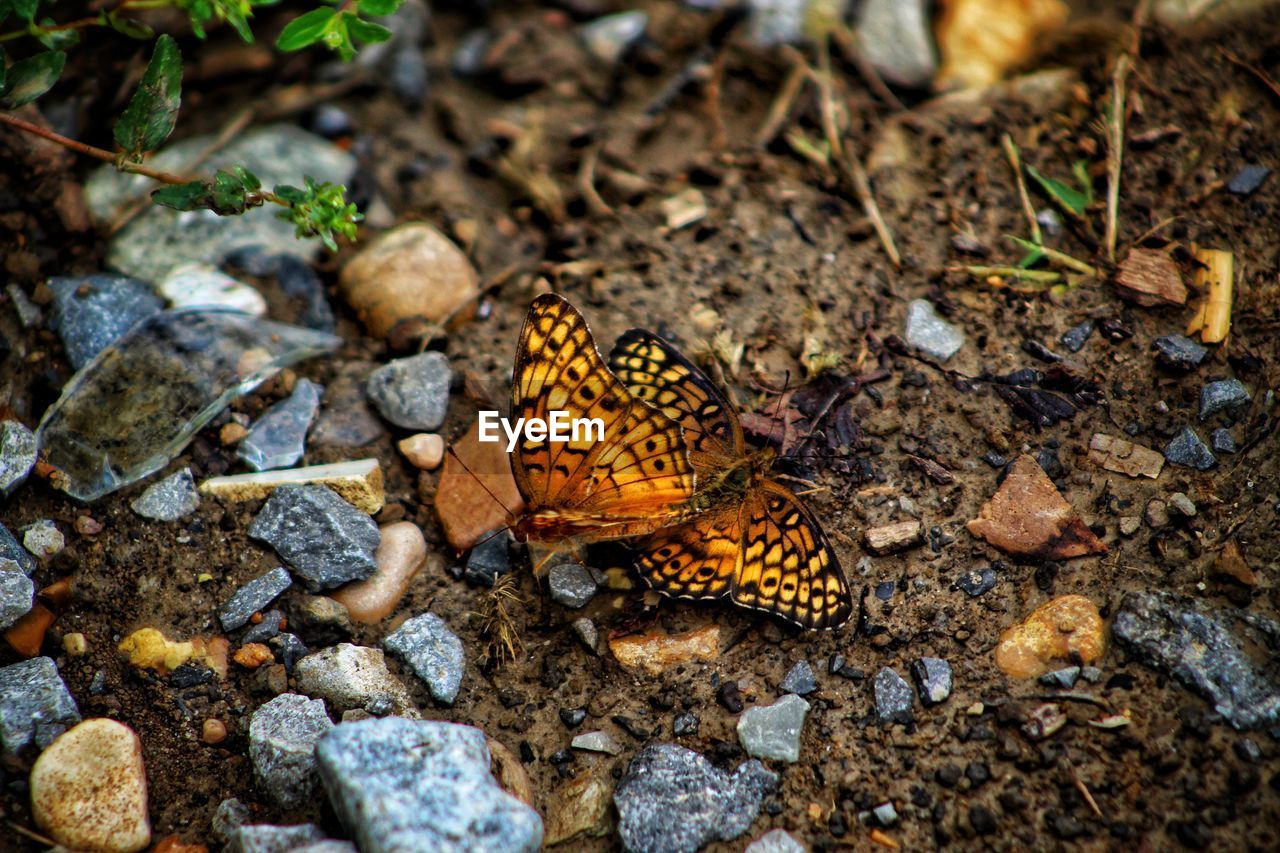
x=91, y=151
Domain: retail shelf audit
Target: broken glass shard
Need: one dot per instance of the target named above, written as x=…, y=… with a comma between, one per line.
x=135, y=406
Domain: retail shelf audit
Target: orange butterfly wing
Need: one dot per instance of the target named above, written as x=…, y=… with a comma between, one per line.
x=633, y=481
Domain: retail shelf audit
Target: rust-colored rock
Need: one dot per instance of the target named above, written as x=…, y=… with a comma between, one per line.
x=982, y=40
x=657, y=650
x=1150, y=277
x=253, y=655
x=473, y=500
x=1232, y=564
x=1027, y=517
x=1068, y=628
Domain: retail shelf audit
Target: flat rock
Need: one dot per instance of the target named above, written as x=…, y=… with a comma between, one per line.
x=325, y=540
x=253, y=597
x=359, y=482
x=412, y=392
x=1179, y=352
x=1222, y=395
x=159, y=239
x=414, y=785
x=893, y=697
x=596, y=742
x=773, y=731
x=268, y=838
x=282, y=738
x=1027, y=517
x=427, y=645
x=354, y=677
x=89, y=789
x=799, y=679
x=673, y=800
x=1246, y=181
x=476, y=490
x=35, y=705
x=170, y=499
x=488, y=560
x=571, y=584
x=278, y=438
x=893, y=537
x=1188, y=450
x=1124, y=457
x=17, y=455
x=657, y=650
x=933, y=679
x=401, y=554
x=17, y=593
x=931, y=334
x=90, y=312
x=1223, y=654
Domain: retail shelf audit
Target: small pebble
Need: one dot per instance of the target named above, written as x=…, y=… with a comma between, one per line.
x=1247, y=180
x=75, y=644
x=1181, y=504
x=1179, y=352
x=488, y=560
x=1129, y=524
x=685, y=725
x=401, y=554
x=893, y=697
x=977, y=582
x=1222, y=395
x=799, y=680
x=253, y=597
x=324, y=539
x=596, y=742
x=282, y=739
x=424, y=450
x=773, y=731
x=933, y=679
x=352, y=677
x=1065, y=628
x=17, y=455
x=610, y=37
x=656, y=651
x=730, y=697
x=192, y=284
x=885, y=814
x=572, y=717
x=170, y=499
x=1223, y=441
x=1074, y=339
x=35, y=705
x=571, y=584
x=87, y=525
x=1064, y=678
x=412, y=392
x=930, y=333
x=213, y=731
x=17, y=594
x=278, y=438
x=253, y=655
x=587, y=633
x=1186, y=449
x=43, y=539
x=433, y=652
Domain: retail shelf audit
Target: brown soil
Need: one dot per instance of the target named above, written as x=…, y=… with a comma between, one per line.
x=782, y=242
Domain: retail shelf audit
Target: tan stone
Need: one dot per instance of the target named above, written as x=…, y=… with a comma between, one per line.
x=893, y=537
x=509, y=771
x=1067, y=628
x=424, y=450
x=89, y=789
x=658, y=650
x=1027, y=517
x=979, y=41
x=1124, y=457
x=358, y=481
x=581, y=808
x=401, y=554
x=476, y=490
x=1231, y=563
x=408, y=273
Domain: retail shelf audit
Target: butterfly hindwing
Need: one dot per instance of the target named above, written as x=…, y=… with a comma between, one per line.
x=640, y=466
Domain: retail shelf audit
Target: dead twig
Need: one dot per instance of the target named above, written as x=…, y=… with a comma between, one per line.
x=1115, y=151
x=850, y=45
x=780, y=109
x=1084, y=790
x=587, y=183
x=1015, y=162
x=1252, y=69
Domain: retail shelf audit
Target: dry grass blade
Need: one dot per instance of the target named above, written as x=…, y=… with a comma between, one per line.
x=1015, y=162
x=496, y=621
x=1115, y=151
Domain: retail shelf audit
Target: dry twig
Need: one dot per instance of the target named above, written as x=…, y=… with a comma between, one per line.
x=1015, y=162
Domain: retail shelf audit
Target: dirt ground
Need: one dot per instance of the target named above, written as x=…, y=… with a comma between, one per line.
x=783, y=242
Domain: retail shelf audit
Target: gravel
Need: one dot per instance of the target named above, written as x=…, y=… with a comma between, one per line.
x=282, y=738
x=773, y=731
x=673, y=800
x=35, y=706
x=933, y=679
x=401, y=784
x=931, y=334
x=17, y=455
x=412, y=392
x=351, y=677
x=800, y=679
x=90, y=312
x=17, y=593
x=253, y=597
x=170, y=499
x=893, y=696
x=571, y=584
x=1222, y=395
x=1179, y=352
x=433, y=652
x=11, y=549
x=1186, y=449
x=325, y=540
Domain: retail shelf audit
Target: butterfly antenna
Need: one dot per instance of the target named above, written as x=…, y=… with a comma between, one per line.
x=479, y=481
x=777, y=410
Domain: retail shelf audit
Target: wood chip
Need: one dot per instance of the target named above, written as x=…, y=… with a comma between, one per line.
x=359, y=482
x=1150, y=277
x=1124, y=457
x=893, y=537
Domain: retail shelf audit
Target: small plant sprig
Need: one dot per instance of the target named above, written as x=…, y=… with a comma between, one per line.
x=317, y=209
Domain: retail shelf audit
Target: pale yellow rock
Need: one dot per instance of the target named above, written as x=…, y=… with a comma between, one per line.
x=980, y=41
x=656, y=651
x=359, y=482
x=75, y=645
x=89, y=789
x=424, y=450
x=401, y=554
x=412, y=272
x=148, y=648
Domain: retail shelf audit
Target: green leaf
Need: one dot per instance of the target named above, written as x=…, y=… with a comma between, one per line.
x=366, y=31
x=229, y=193
x=190, y=196
x=134, y=29
x=319, y=210
x=1080, y=169
x=24, y=9
x=1072, y=201
x=305, y=30
x=54, y=39
x=378, y=8
x=30, y=78
x=149, y=118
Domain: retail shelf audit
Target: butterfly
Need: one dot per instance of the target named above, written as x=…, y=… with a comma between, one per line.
x=746, y=537
x=635, y=480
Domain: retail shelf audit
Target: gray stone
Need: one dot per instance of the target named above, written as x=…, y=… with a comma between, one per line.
x=931, y=334
x=253, y=597
x=227, y=818
x=799, y=679
x=170, y=499
x=346, y=420
x=776, y=841
x=1182, y=505
x=571, y=584
x=894, y=699
x=885, y=814
x=587, y=633
x=933, y=680
x=296, y=280
x=434, y=653
x=282, y=739
x=1223, y=441
x=1077, y=336
x=1091, y=674
x=17, y=455
x=977, y=582
x=673, y=800
x=1247, y=180
x=610, y=37
x=1222, y=395
x=774, y=22
x=17, y=593
x=1225, y=655
x=289, y=649
x=278, y=438
x=415, y=785
x=488, y=560
x=266, y=629
x=354, y=677
x=43, y=538
x=412, y=392
x=773, y=731
x=685, y=725
x=1179, y=351
x=90, y=312
x=160, y=238
x=1064, y=678
x=596, y=742
x=35, y=706
x=1186, y=449
x=11, y=549
x=267, y=838
x=894, y=37
x=325, y=540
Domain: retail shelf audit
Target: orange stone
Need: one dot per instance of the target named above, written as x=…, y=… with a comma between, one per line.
x=1028, y=517
x=656, y=651
x=1068, y=628
x=253, y=655
x=474, y=500
x=213, y=731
